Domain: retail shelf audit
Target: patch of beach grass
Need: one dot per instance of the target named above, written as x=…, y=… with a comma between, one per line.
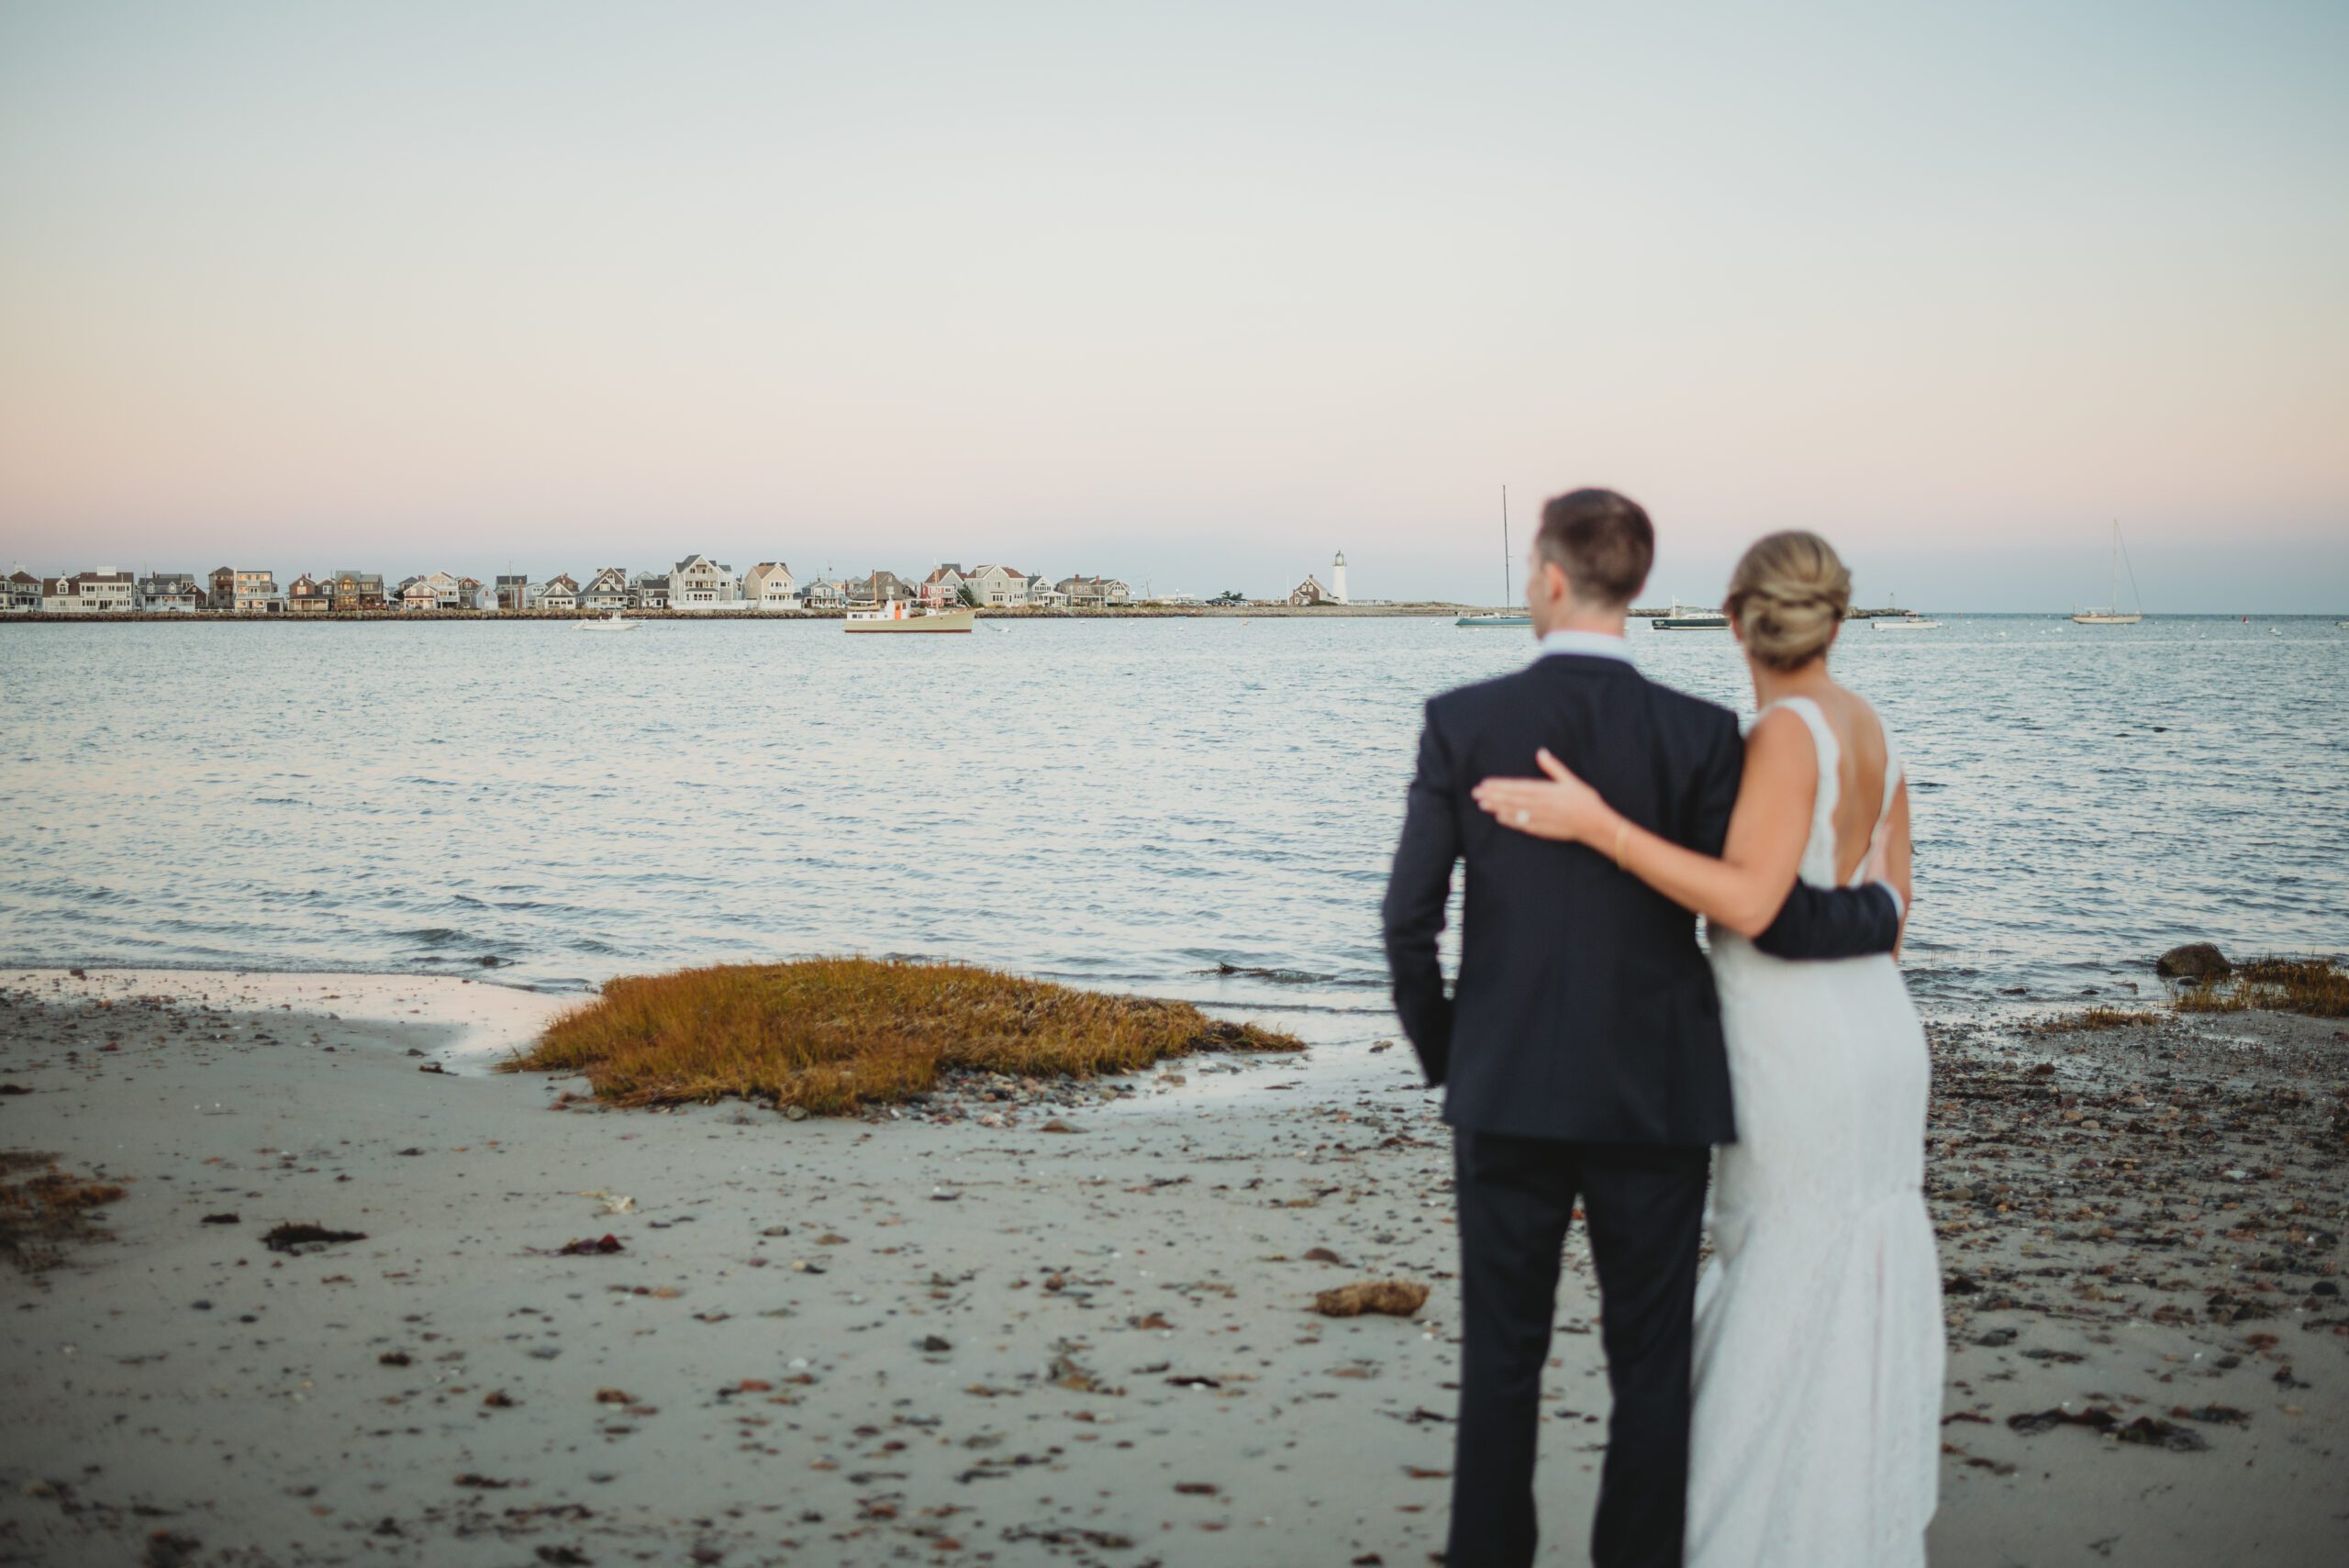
x=2316, y=987
x=43, y=1208
x=833, y=1035
x=2097, y=1019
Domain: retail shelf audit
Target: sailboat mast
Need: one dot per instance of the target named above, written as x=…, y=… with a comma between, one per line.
x=2115, y=598
x=1507, y=596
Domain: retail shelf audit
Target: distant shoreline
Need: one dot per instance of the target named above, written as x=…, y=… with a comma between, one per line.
x=1423, y=610
x=1135, y=612
x=1427, y=610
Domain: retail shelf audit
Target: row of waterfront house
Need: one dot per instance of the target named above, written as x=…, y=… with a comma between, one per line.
x=696, y=582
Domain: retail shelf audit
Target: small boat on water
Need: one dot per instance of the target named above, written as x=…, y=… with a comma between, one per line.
x=613, y=622
x=896, y=616
x=1500, y=620
x=2112, y=614
x=1911, y=621
x=1682, y=618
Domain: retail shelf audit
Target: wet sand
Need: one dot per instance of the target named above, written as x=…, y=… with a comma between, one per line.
x=927, y=1338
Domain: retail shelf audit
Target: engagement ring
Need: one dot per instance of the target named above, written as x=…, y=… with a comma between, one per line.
x=1524, y=818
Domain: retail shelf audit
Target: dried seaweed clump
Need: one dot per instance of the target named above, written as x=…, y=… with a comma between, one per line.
x=2316, y=987
x=832, y=1034
x=43, y=1208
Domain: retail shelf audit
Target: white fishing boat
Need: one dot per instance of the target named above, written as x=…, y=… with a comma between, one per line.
x=1911, y=621
x=1682, y=618
x=1500, y=620
x=897, y=615
x=2112, y=614
x=613, y=622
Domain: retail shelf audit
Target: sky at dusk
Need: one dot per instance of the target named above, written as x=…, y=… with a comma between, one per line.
x=1193, y=294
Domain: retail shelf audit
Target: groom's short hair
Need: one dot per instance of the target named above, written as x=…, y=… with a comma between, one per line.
x=1601, y=540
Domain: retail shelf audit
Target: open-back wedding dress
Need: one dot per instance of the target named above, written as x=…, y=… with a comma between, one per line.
x=1815, y=1441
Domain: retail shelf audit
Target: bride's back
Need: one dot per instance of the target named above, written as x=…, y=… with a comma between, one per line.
x=1862, y=757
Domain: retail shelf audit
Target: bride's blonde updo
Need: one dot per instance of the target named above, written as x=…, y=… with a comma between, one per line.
x=1787, y=597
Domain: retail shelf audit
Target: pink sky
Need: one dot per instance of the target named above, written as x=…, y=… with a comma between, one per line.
x=1189, y=294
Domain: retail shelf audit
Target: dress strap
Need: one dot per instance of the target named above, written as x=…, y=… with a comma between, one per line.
x=1892, y=776
x=1818, y=849
x=1895, y=769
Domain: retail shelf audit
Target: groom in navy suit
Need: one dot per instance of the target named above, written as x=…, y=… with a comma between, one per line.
x=1581, y=1050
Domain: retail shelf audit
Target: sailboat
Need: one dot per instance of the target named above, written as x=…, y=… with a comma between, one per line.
x=1509, y=594
x=2112, y=614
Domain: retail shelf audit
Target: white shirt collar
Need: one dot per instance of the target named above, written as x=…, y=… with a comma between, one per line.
x=1595, y=644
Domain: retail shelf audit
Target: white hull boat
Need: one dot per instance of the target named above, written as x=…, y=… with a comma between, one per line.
x=896, y=617
x=1498, y=620
x=612, y=622
x=1682, y=618
x=2112, y=614
x=1904, y=623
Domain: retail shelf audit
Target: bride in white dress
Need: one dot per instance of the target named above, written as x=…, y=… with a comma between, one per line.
x=1815, y=1437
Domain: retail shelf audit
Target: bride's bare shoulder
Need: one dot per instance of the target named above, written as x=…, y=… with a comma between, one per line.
x=1863, y=726
x=1779, y=736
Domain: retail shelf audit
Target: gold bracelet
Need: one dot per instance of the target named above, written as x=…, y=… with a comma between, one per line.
x=1620, y=828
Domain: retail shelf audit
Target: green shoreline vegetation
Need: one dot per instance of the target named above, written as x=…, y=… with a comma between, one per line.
x=833, y=1035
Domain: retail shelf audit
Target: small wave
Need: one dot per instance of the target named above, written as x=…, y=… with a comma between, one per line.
x=1227, y=1005
x=1274, y=976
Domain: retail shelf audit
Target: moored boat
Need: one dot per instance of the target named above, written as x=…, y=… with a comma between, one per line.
x=1500, y=620
x=1911, y=621
x=1682, y=618
x=2112, y=613
x=612, y=622
x=896, y=616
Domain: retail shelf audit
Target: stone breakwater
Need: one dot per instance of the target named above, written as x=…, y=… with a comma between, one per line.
x=526, y=618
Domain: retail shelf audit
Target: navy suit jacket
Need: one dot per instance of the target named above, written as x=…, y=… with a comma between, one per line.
x=1584, y=1008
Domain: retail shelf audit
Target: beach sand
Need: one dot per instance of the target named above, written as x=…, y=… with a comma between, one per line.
x=909, y=1340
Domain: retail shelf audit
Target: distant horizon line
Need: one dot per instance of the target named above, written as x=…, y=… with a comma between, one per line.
x=1141, y=596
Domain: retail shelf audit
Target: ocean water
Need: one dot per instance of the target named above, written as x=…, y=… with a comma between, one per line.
x=1198, y=807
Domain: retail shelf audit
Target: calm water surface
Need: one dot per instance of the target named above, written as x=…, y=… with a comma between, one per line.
x=1120, y=804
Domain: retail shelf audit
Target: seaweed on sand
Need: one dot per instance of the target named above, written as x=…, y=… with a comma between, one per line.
x=2314, y=987
x=41, y=1212
x=832, y=1034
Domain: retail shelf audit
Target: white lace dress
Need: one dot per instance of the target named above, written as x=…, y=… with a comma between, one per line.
x=1815, y=1441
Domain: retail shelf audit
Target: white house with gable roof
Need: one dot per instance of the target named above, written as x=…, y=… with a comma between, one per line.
x=698, y=582
x=606, y=590
x=996, y=586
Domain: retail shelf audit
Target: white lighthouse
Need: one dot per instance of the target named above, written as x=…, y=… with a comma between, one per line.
x=1338, y=578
